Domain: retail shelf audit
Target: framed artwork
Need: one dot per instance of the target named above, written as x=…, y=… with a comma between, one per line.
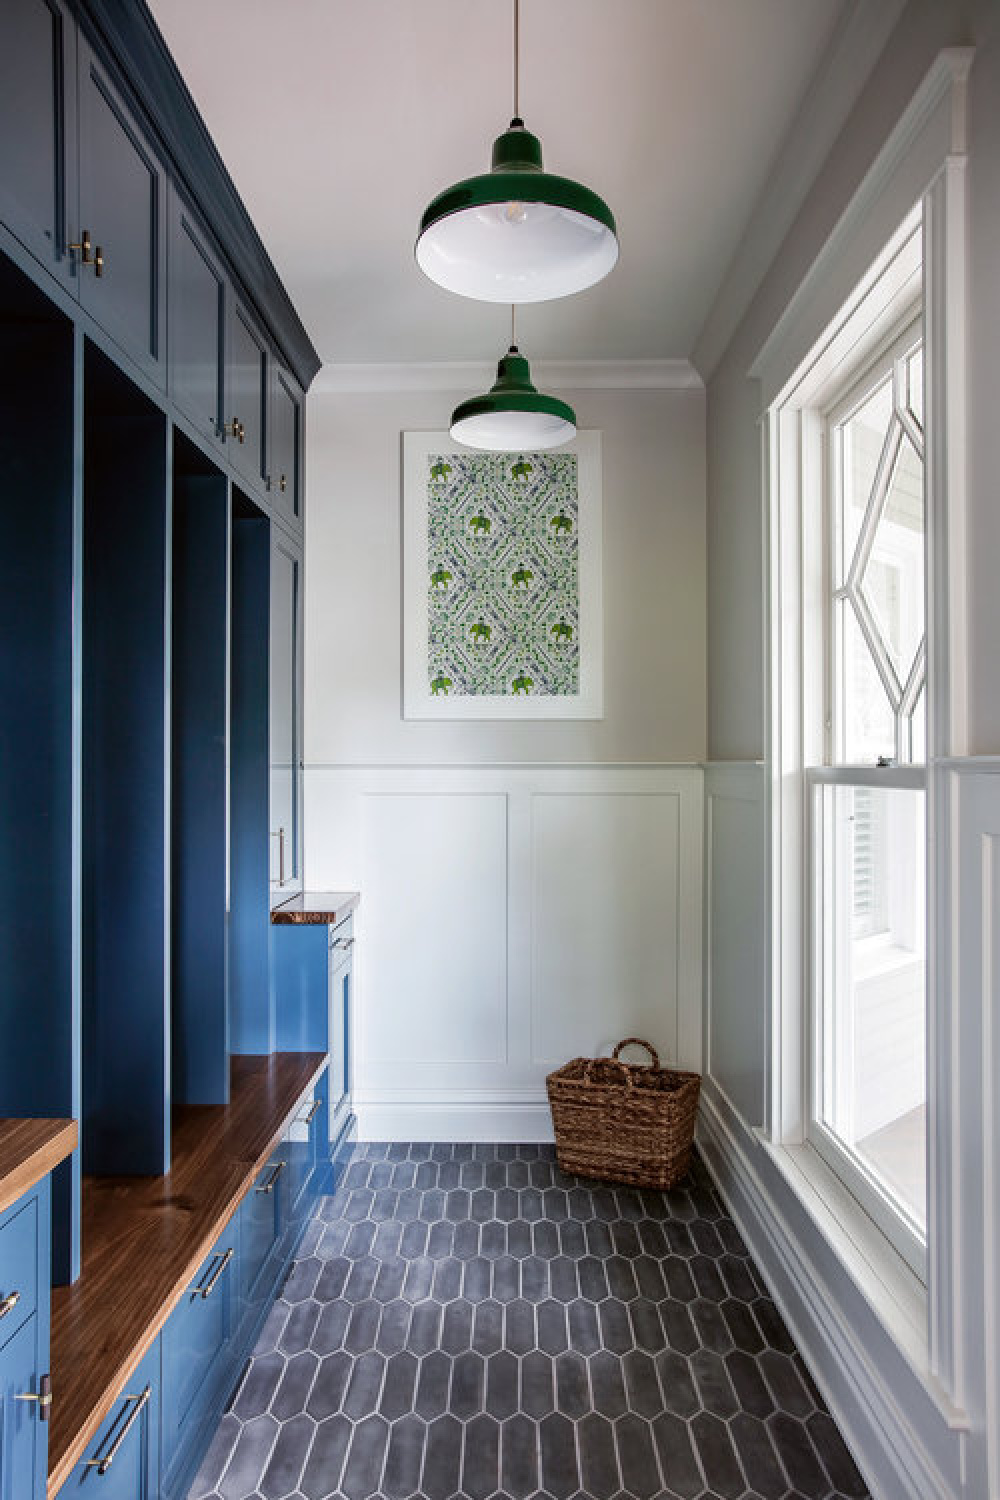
x=502, y=602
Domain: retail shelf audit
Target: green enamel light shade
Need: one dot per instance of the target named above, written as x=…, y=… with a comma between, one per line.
x=517, y=233
x=513, y=416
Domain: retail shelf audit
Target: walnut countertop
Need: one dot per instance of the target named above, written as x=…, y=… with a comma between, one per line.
x=29, y=1150
x=316, y=909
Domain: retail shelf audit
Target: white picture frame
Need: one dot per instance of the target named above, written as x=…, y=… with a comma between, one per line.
x=418, y=701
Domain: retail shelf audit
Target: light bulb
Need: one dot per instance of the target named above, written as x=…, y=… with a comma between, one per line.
x=515, y=213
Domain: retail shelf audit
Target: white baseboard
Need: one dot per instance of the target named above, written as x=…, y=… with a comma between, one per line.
x=887, y=1446
x=466, y=1116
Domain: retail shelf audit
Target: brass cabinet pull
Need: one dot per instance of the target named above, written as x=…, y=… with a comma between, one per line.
x=235, y=429
x=345, y=944
x=103, y=1464
x=317, y=1105
x=209, y=1287
x=283, y=484
x=83, y=245
x=9, y=1303
x=271, y=1183
x=99, y=262
x=43, y=1398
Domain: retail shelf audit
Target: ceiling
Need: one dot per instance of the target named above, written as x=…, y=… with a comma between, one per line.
x=339, y=119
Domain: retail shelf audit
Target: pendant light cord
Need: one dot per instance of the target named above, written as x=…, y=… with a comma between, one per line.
x=517, y=59
x=513, y=340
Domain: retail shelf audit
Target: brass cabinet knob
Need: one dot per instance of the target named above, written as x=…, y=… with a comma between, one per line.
x=83, y=246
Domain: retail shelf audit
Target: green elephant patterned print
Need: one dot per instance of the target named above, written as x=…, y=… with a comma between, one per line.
x=502, y=577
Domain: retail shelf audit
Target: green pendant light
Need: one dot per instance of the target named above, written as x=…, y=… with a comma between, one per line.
x=517, y=233
x=513, y=417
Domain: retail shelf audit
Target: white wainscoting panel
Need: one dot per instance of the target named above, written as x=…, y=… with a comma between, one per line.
x=511, y=918
x=736, y=945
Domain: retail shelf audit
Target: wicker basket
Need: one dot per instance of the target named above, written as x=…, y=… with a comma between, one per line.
x=623, y=1122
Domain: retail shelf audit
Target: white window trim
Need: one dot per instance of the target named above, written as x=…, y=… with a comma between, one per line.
x=921, y=165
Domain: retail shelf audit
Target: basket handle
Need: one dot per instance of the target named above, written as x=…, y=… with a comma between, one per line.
x=636, y=1041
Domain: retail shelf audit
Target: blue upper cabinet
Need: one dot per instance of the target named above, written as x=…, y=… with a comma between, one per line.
x=246, y=403
x=196, y=304
x=123, y=202
x=285, y=447
x=38, y=130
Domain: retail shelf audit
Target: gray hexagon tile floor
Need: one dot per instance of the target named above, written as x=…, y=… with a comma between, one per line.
x=466, y=1321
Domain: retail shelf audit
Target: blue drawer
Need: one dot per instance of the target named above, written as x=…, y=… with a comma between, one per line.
x=263, y=1216
x=19, y=1254
x=195, y=1348
x=304, y=1139
x=123, y=1461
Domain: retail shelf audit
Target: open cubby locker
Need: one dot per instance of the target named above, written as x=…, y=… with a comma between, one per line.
x=39, y=753
x=199, y=1063
x=251, y=1015
x=126, y=763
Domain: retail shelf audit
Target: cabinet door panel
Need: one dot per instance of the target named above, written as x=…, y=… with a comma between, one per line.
x=285, y=446
x=37, y=100
x=122, y=208
x=127, y=1445
x=194, y=1338
x=23, y=1436
x=246, y=394
x=285, y=711
x=196, y=310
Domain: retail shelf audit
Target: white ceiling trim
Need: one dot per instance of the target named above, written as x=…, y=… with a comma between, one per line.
x=476, y=375
x=855, y=47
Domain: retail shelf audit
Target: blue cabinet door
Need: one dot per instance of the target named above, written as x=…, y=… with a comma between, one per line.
x=23, y=1432
x=246, y=403
x=263, y=1218
x=285, y=716
x=196, y=314
x=123, y=1461
x=194, y=1344
x=123, y=210
x=341, y=955
x=285, y=447
x=37, y=129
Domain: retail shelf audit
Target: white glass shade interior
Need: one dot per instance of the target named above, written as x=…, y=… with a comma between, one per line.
x=516, y=252
x=513, y=431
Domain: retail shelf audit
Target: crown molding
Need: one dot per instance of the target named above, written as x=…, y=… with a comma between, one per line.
x=854, y=49
x=475, y=375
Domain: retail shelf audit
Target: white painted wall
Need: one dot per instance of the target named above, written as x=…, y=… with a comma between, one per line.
x=530, y=890
x=912, y=1378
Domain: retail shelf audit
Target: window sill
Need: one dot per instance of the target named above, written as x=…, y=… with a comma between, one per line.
x=895, y=1294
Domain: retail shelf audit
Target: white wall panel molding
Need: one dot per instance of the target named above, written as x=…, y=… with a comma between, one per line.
x=511, y=918
x=902, y=1431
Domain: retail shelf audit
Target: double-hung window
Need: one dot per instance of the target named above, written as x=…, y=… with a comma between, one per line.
x=867, y=1022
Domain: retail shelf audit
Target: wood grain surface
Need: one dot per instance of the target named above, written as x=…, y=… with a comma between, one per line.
x=314, y=908
x=145, y=1237
x=29, y=1149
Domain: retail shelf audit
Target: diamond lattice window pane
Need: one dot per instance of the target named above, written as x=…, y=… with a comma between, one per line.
x=868, y=719
x=893, y=580
x=863, y=438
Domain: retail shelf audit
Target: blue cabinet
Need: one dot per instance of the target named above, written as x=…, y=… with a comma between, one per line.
x=246, y=399
x=339, y=1000
x=197, y=1355
x=285, y=715
x=37, y=140
x=196, y=314
x=284, y=446
x=123, y=1460
x=24, y=1345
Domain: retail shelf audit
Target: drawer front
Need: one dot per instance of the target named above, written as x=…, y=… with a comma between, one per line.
x=123, y=1461
x=23, y=1436
x=19, y=1232
x=301, y=1143
x=195, y=1335
x=262, y=1221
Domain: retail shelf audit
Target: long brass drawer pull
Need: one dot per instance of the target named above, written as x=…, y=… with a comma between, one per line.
x=9, y=1303
x=272, y=1181
x=317, y=1105
x=43, y=1398
x=210, y=1285
x=103, y=1464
